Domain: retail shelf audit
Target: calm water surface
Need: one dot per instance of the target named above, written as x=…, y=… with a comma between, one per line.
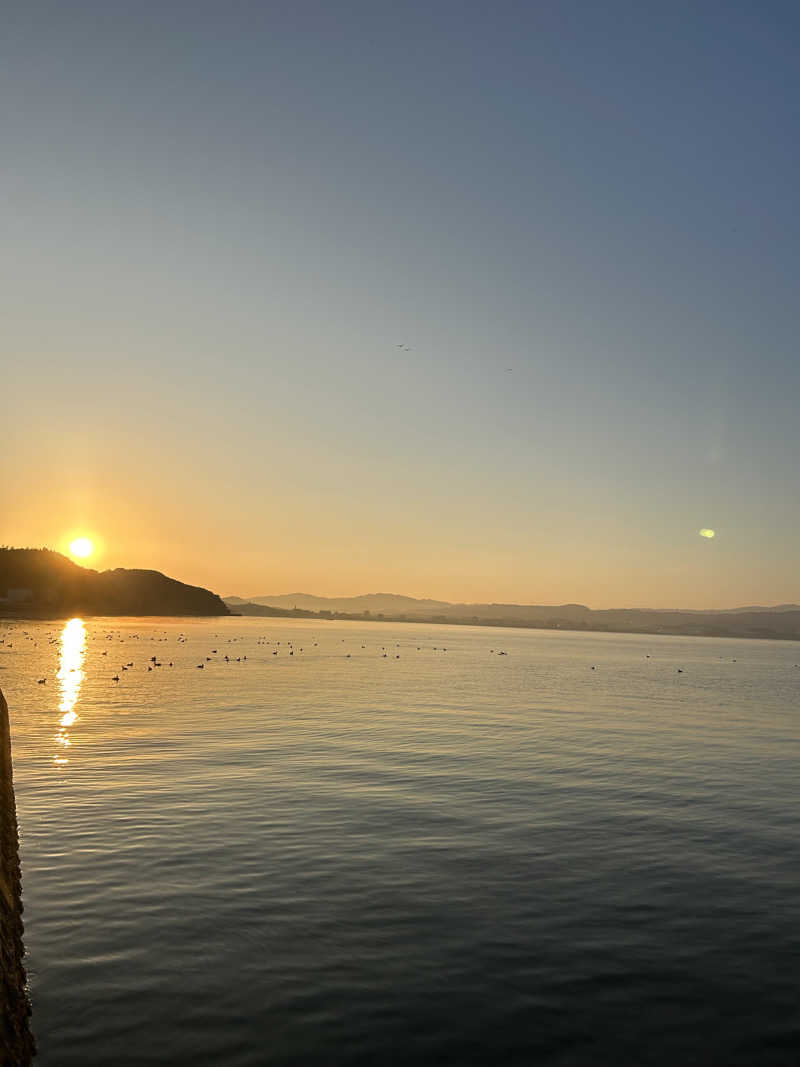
x=336, y=857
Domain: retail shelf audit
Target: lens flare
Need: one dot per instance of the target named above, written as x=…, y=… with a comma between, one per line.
x=706, y=532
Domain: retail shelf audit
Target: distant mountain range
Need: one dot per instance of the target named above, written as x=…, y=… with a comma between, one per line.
x=780, y=622
x=373, y=602
x=41, y=583
x=35, y=582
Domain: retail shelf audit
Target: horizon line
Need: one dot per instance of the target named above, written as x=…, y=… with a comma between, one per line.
x=511, y=603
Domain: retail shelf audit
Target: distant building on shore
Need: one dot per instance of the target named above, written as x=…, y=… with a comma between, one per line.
x=17, y=596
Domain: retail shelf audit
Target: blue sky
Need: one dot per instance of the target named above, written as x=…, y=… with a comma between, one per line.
x=220, y=220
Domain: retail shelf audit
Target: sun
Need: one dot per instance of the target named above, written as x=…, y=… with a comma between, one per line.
x=81, y=547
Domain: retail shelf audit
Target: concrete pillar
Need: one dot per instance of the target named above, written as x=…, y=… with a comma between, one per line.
x=16, y=1040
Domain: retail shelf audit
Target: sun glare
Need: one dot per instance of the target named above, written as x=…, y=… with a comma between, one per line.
x=81, y=547
x=70, y=676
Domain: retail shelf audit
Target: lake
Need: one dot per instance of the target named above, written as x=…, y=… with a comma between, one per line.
x=391, y=844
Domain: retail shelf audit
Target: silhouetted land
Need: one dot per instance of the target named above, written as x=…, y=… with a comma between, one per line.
x=38, y=583
x=777, y=623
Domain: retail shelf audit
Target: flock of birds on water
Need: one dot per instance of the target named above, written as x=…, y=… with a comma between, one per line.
x=286, y=648
x=277, y=648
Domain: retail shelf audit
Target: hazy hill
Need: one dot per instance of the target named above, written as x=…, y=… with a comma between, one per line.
x=393, y=604
x=372, y=602
x=41, y=582
x=781, y=622
x=777, y=608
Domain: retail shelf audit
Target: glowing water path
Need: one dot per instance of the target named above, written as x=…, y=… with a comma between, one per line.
x=70, y=677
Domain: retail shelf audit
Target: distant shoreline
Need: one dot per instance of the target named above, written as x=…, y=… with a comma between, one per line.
x=489, y=624
x=681, y=630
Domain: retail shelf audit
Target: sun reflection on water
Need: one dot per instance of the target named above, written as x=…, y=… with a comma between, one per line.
x=70, y=676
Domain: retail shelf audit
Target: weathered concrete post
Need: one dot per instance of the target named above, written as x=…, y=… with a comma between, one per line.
x=16, y=1040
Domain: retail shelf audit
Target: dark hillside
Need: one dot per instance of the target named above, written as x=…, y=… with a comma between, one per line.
x=36, y=581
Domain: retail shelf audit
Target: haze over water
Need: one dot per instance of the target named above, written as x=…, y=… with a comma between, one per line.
x=453, y=856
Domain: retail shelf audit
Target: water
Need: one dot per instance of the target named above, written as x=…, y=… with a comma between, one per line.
x=450, y=857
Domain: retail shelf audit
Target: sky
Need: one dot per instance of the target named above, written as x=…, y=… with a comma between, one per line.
x=580, y=221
